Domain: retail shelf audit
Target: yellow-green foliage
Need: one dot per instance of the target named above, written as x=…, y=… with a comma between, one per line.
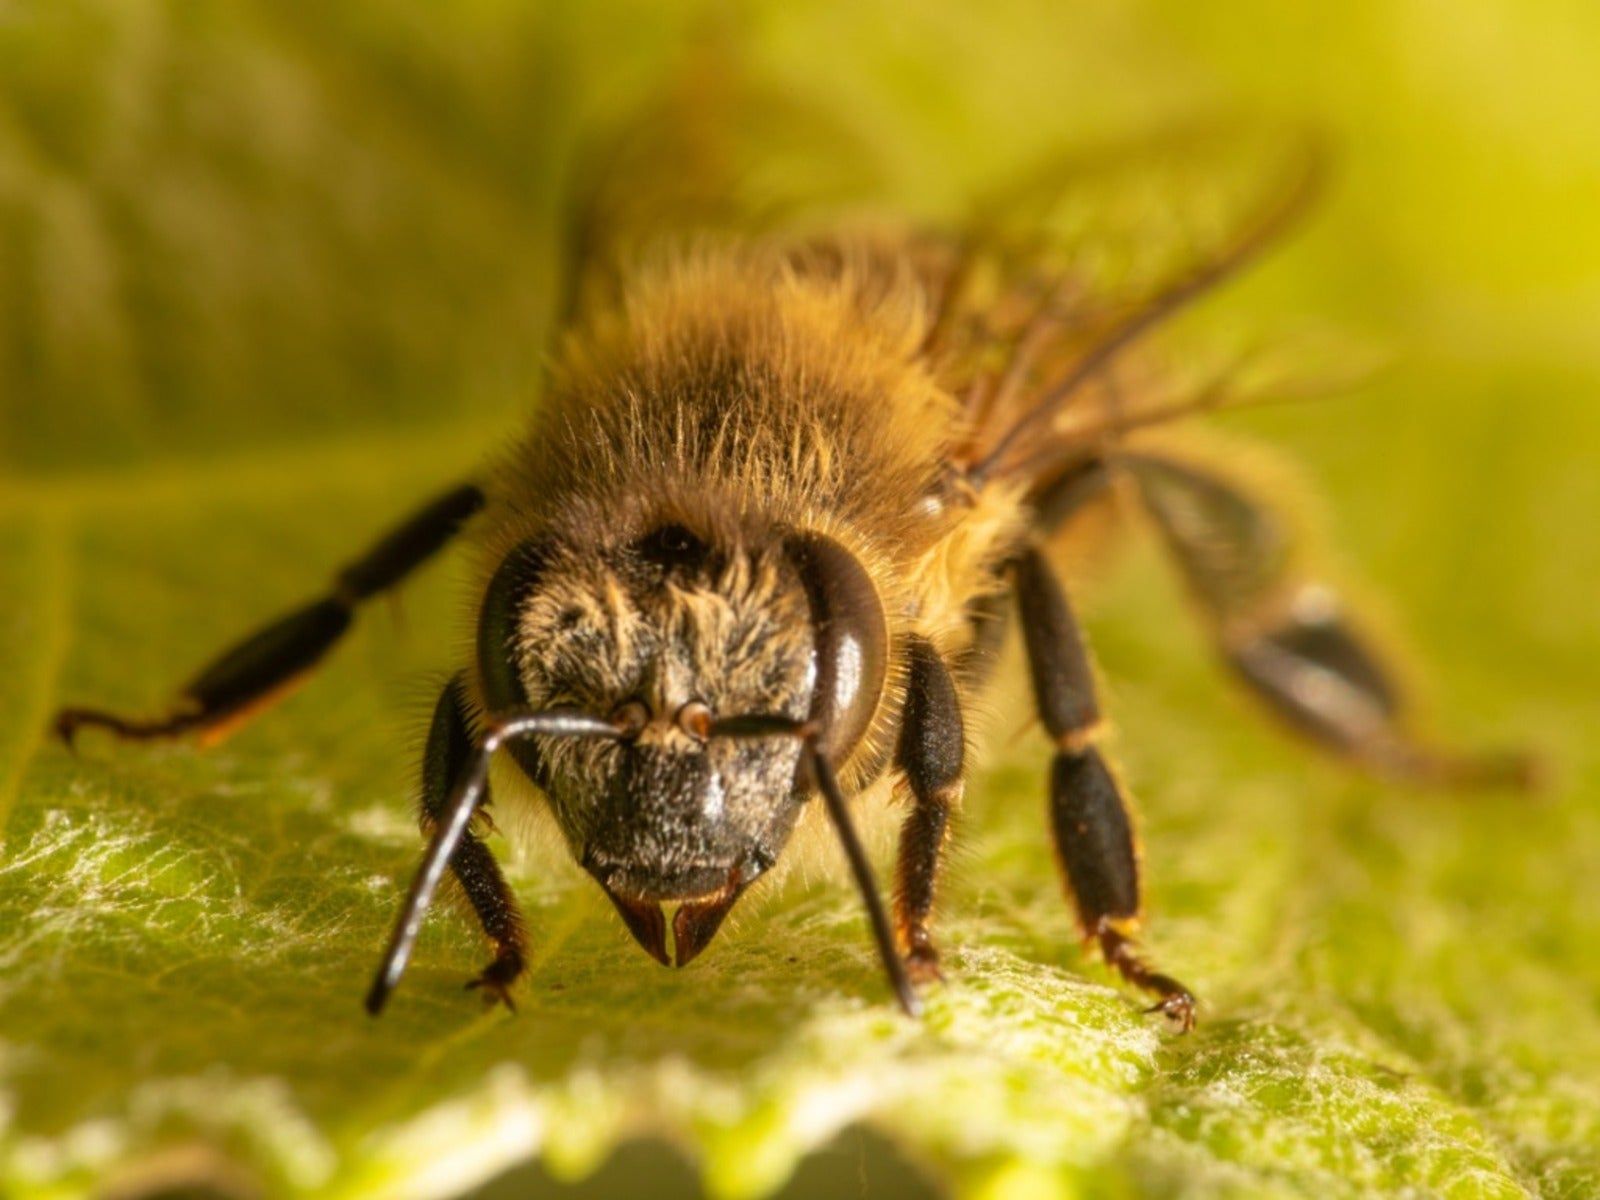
x=271, y=271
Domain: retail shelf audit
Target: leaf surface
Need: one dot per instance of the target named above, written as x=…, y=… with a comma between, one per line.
x=225, y=368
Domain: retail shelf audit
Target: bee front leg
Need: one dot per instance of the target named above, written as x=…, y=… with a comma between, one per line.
x=1088, y=811
x=931, y=754
x=251, y=675
x=450, y=750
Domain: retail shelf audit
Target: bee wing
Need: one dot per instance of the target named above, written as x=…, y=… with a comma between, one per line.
x=1058, y=276
x=713, y=149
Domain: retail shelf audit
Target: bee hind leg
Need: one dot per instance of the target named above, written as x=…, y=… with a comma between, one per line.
x=1089, y=815
x=1313, y=672
x=253, y=674
x=1289, y=639
x=931, y=755
x=451, y=749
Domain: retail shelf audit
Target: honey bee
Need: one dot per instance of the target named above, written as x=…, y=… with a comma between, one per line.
x=782, y=496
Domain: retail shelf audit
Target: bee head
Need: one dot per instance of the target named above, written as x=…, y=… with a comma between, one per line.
x=665, y=628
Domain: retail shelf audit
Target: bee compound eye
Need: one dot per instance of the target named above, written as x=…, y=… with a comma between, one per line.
x=630, y=717
x=518, y=577
x=851, y=640
x=695, y=719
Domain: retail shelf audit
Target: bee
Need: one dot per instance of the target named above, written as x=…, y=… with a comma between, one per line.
x=782, y=497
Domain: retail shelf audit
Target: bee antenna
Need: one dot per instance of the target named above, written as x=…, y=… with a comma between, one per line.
x=828, y=784
x=755, y=725
x=447, y=835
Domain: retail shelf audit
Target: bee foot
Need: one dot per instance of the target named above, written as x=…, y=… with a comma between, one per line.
x=922, y=965
x=496, y=980
x=1178, y=1008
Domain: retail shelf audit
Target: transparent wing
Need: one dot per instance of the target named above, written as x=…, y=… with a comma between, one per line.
x=1059, y=276
x=1038, y=299
x=713, y=150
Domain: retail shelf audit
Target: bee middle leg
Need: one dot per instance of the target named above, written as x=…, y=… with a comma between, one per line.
x=931, y=755
x=1088, y=811
x=450, y=751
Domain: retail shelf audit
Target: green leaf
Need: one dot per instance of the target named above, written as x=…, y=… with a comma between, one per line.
x=277, y=273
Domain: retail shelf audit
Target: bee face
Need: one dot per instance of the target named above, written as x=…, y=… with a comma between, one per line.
x=662, y=631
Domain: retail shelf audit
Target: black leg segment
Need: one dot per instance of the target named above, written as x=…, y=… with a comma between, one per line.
x=409, y=545
x=932, y=755
x=449, y=821
x=252, y=674
x=1089, y=818
x=1290, y=639
x=1058, y=662
x=1094, y=838
x=450, y=752
x=1068, y=492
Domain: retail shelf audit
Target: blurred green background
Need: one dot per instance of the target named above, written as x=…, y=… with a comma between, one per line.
x=268, y=272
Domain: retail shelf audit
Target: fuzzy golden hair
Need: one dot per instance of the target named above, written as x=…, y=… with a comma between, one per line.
x=743, y=388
